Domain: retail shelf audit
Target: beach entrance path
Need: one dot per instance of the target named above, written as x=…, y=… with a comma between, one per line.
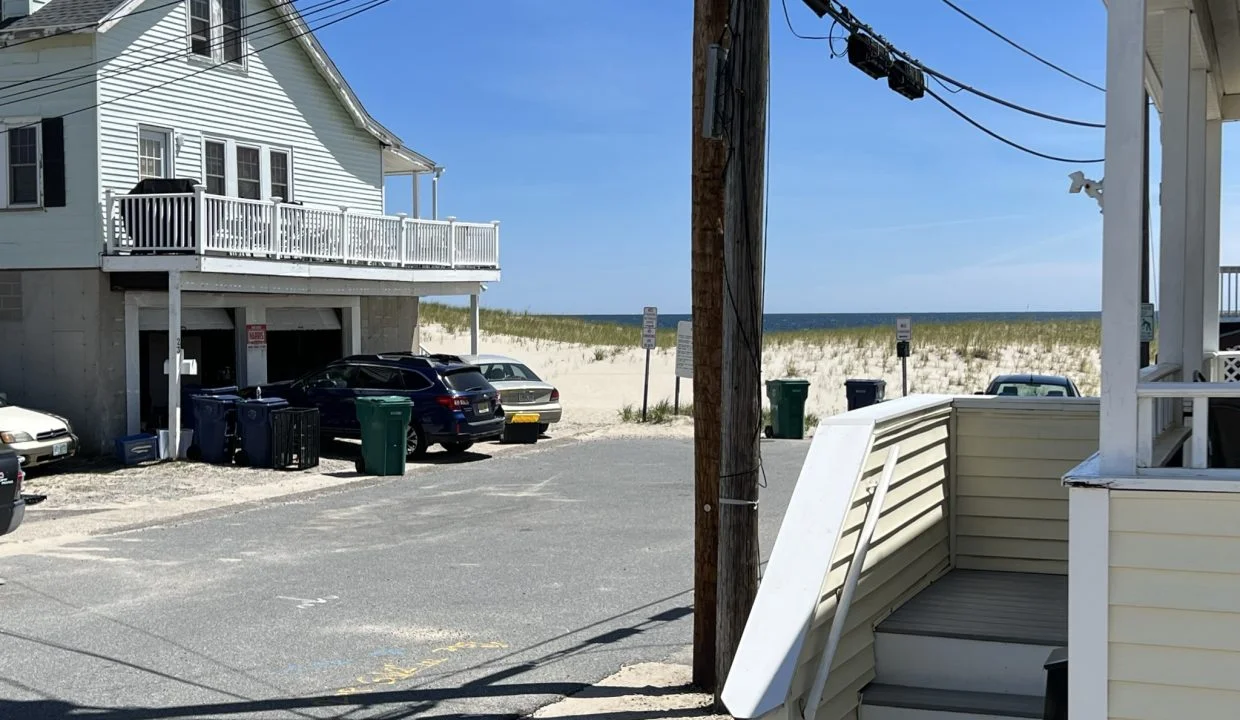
x=485, y=589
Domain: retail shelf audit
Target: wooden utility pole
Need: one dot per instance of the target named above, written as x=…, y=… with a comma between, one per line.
x=710, y=18
x=748, y=62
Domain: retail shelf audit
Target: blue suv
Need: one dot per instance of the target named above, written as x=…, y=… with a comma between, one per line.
x=453, y=404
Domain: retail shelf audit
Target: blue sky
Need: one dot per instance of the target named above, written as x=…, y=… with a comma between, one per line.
x=569, y=121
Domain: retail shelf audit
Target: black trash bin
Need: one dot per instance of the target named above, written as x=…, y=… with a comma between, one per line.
x=1056, y=704
x=295, y=438
x=254, y=429
x=863, y=393
x=189, y=412
x=164, y=225
x=216, y=418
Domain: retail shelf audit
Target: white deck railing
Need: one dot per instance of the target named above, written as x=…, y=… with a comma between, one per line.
x=197, y=223
x=1160, y=428
x=1224, y=366
x=1229, y=290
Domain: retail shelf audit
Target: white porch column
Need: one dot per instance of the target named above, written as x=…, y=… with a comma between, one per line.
x=1213, y=208
x=251, y=360
x=1195, y=226
x=416, y=179
x=351, y=334
x=474, y=321
x=175, y=353
x=1177, y=51
x=133, y=367
x=435, y=194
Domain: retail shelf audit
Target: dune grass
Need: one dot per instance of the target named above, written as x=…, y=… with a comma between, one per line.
x=975, y=340
x=663, y=411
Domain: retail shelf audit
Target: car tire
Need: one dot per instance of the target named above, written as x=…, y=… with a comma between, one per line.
x=359, y=464
x=415, y=445
x=456, y=448
x=543, y=428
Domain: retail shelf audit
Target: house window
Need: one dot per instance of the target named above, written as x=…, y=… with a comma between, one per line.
x=217, y=30
x=249, y=173
x=216, y=167
x=153, y=157
x=200, y=27
x=23, y=161
x=280, y=187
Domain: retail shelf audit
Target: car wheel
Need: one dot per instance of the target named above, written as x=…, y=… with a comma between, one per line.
x=359, y=464
x=543, y=428
x=415, y=445
x=456, y=448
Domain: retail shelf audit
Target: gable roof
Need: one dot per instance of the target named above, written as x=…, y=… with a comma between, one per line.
x=88, y=16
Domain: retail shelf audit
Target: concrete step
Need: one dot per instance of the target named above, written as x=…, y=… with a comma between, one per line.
x=958, y=664
x=897, y=702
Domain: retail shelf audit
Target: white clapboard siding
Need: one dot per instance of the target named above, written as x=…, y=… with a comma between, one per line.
x=1010, y=505
x=279, y=99
x=64, y=237
x=908, y=551
x=1174, y=607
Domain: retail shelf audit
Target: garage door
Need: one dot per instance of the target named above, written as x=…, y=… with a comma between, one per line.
x=191, y=319
x=282, y=319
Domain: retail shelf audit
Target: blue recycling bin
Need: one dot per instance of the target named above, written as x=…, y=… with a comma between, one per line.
x=214, y=417
x=189, y=411
x=254, y=427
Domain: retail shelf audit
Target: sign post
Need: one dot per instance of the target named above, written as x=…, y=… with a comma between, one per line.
x=904, y=335
x=684, y=358
x=650, y=329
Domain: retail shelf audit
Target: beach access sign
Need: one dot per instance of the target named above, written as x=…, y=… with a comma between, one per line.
x=904, y=329
x=650, y=327
x=684, y=349
x=1147, y=322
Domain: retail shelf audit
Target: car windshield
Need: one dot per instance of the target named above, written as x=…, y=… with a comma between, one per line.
x=1031, y=390
x=466, y=380
x=505, y=372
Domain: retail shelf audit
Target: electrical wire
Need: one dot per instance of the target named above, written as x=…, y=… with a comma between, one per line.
x=257, y=31
x=137, y=51
x=1020, y=47
x=788, y=19
x=365, y=7
x=87, y=26
x=1006, y=141
x=844, y=16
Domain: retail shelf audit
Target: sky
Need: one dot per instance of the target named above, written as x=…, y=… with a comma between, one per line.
x=569, y=121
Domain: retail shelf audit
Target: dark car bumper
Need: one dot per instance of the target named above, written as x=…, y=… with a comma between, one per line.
x=470, y=431
x=11, y=516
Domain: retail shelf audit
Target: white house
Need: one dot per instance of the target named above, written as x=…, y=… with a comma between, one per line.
x=268, y=253
x=943, y=557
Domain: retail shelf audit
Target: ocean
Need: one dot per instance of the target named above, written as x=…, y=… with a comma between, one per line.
x=777, y=322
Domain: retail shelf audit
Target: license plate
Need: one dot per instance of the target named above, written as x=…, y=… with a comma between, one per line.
x=482, y=408
x=60, y=448
x=525, y=418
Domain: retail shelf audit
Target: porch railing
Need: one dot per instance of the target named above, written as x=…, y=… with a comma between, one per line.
x=197, y=223
x=1224, y=366
x=1160, y=429
x=1229, y=291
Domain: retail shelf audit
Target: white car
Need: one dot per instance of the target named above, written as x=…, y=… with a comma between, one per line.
x=524, y=396
x=37, y=437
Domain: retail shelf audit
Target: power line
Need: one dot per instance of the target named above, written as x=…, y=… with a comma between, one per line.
x=1002, y=139
x=87, y=26
x=134, y=51
x=354, y=13
x=844, y=16
x=80, y=81
x=1021, y=48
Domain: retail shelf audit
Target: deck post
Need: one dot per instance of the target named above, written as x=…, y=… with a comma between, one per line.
x=416, y=208
x=175, y=353
x=435, y=194
x=133, y=367
x=1177, y=58
x=1213, y=206
x=474, y=321
x=1195, y=228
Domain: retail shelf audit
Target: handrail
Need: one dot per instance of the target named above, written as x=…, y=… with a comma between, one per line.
x=1188, y=390
x=1154, y=373
x=855, y=566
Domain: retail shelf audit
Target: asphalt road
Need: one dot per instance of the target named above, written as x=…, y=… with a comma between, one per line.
x=482, y=589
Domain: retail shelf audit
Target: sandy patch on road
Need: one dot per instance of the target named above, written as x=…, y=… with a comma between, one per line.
x=649, y=689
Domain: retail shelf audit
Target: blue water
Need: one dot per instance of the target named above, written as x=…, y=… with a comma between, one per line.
x=776, y=322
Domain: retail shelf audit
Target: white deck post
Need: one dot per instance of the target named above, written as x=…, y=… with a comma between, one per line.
x=175, y=353
x=133, y=368
x=435, y=195
x=475, y=317
x=1195, y=228
x=1177, y=51
x=251, y=361
x=1213, y=206
x=415, y=178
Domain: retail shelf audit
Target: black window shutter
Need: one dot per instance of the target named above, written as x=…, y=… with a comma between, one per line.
x=54, y=162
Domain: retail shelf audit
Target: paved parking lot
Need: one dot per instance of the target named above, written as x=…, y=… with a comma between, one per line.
x=481, y=589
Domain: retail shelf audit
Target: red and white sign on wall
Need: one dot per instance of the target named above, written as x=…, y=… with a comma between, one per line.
x=256, y=335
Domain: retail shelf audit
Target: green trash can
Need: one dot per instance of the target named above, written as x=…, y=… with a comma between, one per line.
x=384, y=422
x=787, y=398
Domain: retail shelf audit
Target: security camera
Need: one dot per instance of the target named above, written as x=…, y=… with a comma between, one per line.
x=1078, y=182
x=1092, y=188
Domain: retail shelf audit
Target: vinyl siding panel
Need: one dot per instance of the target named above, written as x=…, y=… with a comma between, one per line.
x=1009, y=505
x=909, y=550
x=280, y=100
x=1174, y=616
x=70, y=236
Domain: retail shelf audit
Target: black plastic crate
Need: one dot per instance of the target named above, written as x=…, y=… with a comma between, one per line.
x=295, y=438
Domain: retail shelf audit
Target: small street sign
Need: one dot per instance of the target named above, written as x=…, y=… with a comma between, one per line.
x=1147, y=322
x=684, y=349
x=904, y=329
x=650, y=327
